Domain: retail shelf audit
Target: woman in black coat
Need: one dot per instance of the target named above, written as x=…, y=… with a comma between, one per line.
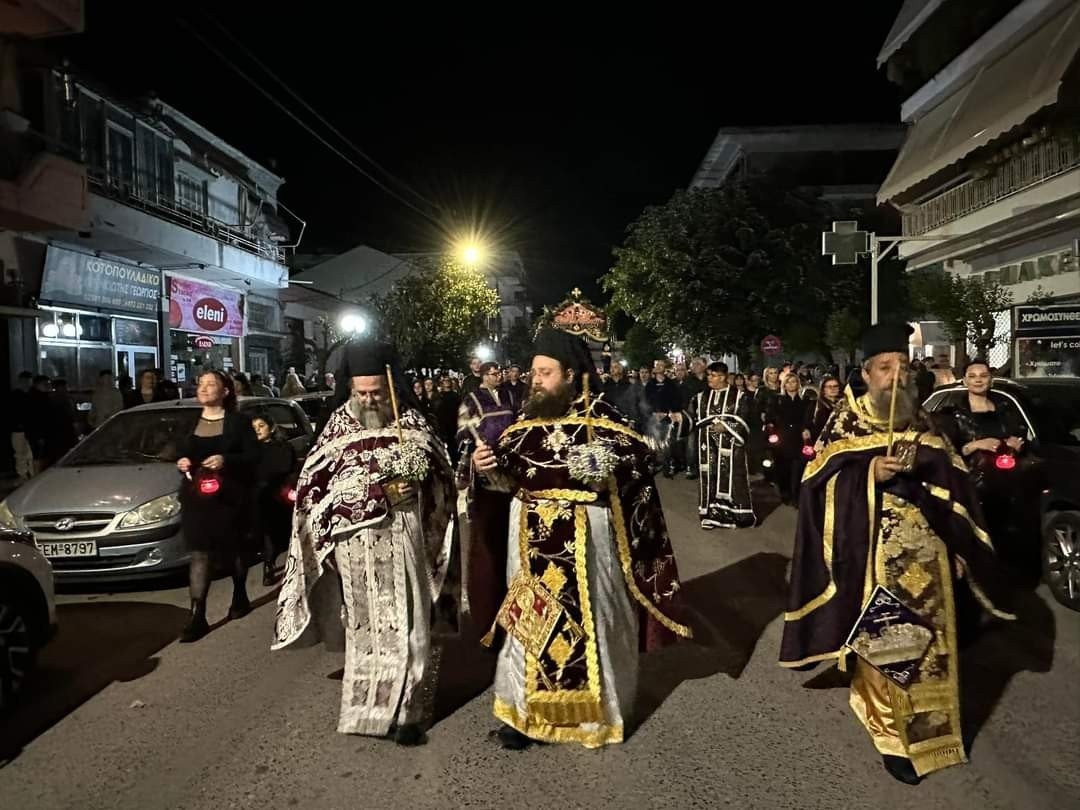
x=217, y=460
x=790, y=417
x=272, y=513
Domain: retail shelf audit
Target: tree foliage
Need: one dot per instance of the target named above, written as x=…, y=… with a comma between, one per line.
x=716, y=270
x=436, y=314
x=641, y=346
x=842, y=330
x=327, y=340
x=967, y=307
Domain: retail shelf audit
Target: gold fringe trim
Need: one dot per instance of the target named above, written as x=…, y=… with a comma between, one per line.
x=827, y=553
x=565, y=708
x=572, y=495
x=983, y=599
x=937, y=758
x=536, y=729
x=623, y=544
x=943, y=494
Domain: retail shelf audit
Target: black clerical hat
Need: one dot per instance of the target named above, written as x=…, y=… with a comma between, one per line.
x=568, y=349
x=367, y=358
x=885, y=337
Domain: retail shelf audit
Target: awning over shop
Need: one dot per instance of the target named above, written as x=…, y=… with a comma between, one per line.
x=912, y=15
x=1002, y=95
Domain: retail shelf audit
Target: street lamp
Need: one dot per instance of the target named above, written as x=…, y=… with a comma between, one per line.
x=484, y=352
x=471, y=250
x=353, y=324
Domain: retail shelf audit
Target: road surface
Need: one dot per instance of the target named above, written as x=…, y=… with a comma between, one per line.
x=121, y=716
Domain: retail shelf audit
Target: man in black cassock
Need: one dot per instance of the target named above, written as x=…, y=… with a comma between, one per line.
x=908, y=522
x=721, y=420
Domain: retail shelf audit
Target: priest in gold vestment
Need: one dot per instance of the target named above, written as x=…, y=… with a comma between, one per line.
x=591, y=575
x=906, y=522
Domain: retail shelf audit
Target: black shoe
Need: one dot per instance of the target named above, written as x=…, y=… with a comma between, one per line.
x=197, y=627
x=691, y=476
x=239, y=608
x=269, y=575
x=409, y=735
x=511, y=739
x=901, y=769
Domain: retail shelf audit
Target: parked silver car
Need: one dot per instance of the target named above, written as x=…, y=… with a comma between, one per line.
x=110, y=509
x=27, y=606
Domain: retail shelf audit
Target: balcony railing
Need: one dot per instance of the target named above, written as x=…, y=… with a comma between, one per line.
x=164, y=206
x=1032, y=166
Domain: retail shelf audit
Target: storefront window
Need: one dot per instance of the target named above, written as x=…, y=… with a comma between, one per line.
x=95, y=328
x=193, y=354
x=60, y=362
x=92, y=361
x=130, y=332
x=78, y=346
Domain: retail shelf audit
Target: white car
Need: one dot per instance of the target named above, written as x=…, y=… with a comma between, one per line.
x=27, y=604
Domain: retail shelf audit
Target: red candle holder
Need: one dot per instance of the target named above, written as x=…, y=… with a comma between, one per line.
x=209, y=486
x=1005, y=461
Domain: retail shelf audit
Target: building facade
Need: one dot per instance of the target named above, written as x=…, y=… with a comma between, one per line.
x=131, y=237
x=989, y=172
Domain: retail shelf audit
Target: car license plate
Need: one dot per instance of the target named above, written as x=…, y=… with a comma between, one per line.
x=70, y=548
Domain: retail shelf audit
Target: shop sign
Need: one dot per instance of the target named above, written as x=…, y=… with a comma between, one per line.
x=196, y=307
x=81, y=279
x=1047, y=340
x=204, y=342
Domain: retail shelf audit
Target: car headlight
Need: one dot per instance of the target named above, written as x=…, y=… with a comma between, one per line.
x=9, y=520
x=155, y=511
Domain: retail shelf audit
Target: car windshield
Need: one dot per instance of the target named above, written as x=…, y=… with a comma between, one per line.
x=1058, y=409
x=136, y=437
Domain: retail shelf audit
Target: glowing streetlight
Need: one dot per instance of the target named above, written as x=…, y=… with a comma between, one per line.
x=471, y=249
x=484, y=352
x=353, y=324
x=472, y=255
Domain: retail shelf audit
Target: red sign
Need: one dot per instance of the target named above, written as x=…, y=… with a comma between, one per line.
x=196, y=307
x=771, y=345
x=204, y=342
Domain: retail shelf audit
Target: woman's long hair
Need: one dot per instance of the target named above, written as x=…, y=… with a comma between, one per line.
x=229, y=401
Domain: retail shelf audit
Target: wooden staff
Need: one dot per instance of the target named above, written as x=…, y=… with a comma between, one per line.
x=588, y=409
x=397, y=416
x=892, y=408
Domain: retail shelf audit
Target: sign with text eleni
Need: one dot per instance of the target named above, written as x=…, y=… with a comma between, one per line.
x=202, y=308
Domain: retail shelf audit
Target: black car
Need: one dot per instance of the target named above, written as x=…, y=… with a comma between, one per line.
x=1048, y=486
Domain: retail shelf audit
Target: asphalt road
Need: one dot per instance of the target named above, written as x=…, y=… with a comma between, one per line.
x=121, y=716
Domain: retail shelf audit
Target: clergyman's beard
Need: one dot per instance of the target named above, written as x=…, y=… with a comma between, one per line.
x=907, y=405
x=544, y=405
x=373, y=415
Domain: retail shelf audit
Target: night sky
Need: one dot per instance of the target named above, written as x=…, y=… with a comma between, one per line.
x=549, y=134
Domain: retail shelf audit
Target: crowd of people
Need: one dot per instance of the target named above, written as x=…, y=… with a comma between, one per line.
x=520, y=508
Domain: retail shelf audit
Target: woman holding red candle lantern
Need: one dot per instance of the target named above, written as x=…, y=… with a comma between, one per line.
x=216, y=461
x=990, y=436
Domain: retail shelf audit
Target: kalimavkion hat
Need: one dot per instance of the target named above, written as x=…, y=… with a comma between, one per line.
x=885, y=337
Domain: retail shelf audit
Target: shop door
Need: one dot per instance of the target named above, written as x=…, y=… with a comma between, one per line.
x=132, y=360
x=258, y=362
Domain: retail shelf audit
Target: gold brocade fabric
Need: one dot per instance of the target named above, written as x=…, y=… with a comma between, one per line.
x=913, y=563
x=562, y=681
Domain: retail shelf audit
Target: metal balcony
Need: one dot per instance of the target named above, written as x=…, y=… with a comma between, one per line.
x=1017, y=172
